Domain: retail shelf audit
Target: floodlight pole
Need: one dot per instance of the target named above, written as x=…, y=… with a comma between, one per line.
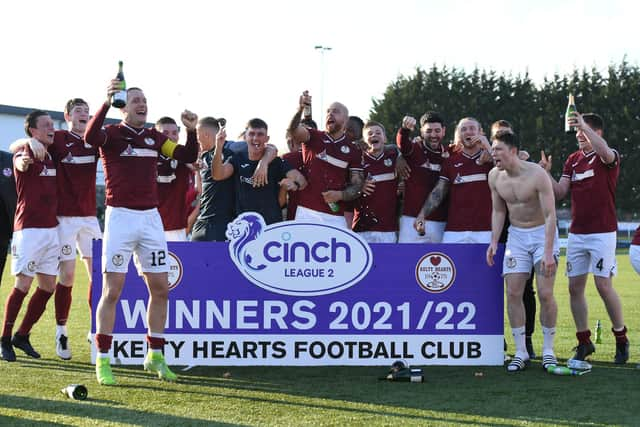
x=322, y=50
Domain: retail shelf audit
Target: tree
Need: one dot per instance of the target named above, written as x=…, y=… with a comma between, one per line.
x=537, y=112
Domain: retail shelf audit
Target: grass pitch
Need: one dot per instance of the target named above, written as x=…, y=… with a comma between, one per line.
x=242, y=396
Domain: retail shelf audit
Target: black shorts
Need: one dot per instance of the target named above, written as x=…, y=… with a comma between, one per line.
x=210, y=230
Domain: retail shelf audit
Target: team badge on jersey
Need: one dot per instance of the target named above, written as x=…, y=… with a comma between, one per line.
x=388, y=162
x=117, y=260
x=174, y=164
x=7, y=172
x=66, y=250
x=149, y=141
x=445, y=155
x=129, y=151
x=31, y=266
x=345, y=149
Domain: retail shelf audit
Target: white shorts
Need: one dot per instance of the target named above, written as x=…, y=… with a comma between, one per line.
x=179, y=235
x=525, y=248
x=592, y=253
x=35, y=250
x=379, y=236
x=309, y=215
x=634, y=257
x=466, y=237
x=433, y=231
x=129, y=231
x=77, y=231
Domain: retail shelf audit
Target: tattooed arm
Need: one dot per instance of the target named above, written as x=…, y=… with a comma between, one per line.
x=434, y=200
x=352, y=191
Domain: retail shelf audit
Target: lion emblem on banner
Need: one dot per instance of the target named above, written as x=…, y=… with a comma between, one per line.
x=242, y=232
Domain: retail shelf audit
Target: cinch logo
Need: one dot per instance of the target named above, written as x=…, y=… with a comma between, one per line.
x=295, y=258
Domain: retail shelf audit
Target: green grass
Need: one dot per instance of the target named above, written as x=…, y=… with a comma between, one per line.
x=30, y=389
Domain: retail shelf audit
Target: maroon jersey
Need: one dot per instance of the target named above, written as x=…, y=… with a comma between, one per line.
x=469, y=193
x=593, y=192
x=129, y=158
x=327, y=163
x=636, y=237
x=377, y=211
x=173, y=183
x=425, y=164
x=36, y=188
x=76, y=174
x=295, y=160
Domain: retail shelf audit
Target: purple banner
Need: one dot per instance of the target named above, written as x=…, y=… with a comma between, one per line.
x=319, y=303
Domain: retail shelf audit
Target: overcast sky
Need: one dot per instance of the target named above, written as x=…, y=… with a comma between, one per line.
x=243, y=59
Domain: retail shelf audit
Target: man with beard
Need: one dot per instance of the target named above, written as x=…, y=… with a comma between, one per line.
x=332, y=164
x=464, y=179
x=425, y=156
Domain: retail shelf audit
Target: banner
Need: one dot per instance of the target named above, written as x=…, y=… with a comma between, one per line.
x=307, y=294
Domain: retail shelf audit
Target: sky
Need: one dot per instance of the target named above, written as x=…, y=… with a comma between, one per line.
x=243, y=59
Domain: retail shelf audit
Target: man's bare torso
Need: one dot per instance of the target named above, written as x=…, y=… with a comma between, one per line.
x=520, y=193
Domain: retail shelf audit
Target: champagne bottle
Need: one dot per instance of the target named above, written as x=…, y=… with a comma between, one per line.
x=571, y=108
x=306, y=113
x=75, y=391
x=563, y=370
x=334, y=206
x=405, y=375
x=119, y=99
x=598, y=332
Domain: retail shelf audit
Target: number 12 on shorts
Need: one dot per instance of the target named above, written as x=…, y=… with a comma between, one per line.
x=158, y=258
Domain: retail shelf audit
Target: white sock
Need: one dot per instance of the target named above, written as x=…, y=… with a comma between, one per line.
x=61, y=330
x=519, y=341
x=548, y=335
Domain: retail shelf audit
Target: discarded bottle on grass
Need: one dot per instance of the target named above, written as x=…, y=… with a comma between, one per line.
x=598, y=332
x=401, y=372
x=75, y=391
x=563, y=370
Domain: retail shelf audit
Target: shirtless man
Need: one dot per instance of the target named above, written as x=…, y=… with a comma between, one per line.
x=525, y=189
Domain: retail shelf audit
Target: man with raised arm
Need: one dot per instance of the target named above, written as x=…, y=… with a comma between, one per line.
x=129, y=153
x=525, y=190
x=425, y=155
x=463, y=178
x=332, y=165
x=242, y=166
x=591, y=173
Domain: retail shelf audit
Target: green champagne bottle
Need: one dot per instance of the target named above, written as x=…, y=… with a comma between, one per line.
x=119, y=99
x=571, y=108
x=598, y=332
